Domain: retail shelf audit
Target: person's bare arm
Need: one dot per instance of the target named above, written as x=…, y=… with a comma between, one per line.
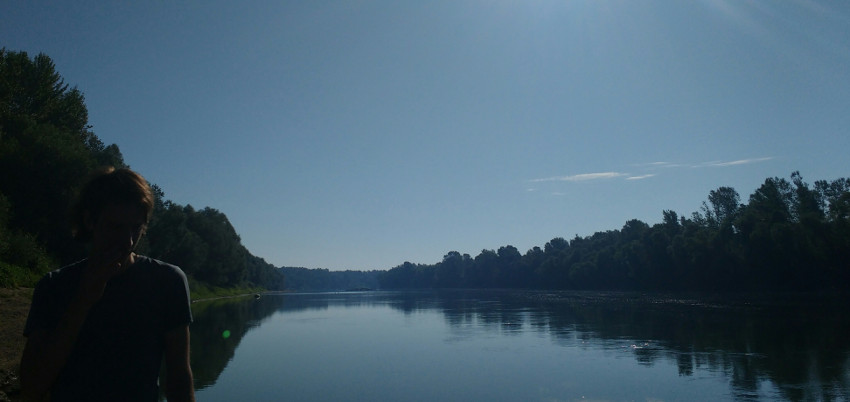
x=46, y=352
x=178, y=371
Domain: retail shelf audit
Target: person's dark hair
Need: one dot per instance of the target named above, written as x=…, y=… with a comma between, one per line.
x=109, y=186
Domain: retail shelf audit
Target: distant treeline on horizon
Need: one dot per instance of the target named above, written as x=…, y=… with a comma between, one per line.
x=790, y=235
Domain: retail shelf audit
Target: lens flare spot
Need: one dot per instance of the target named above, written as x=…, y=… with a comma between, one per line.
x=225, y=334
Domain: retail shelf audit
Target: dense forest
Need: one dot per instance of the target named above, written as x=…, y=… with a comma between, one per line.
x=789, y=236
x=47, y=149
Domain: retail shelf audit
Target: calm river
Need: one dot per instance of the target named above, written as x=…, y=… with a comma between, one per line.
x=520, y=346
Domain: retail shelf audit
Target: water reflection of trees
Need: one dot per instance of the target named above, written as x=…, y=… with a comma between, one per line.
x=218, y=327
x=799, y=345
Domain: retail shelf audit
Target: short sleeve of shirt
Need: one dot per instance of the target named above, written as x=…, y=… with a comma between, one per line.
x=51, y=297
x=178, y=301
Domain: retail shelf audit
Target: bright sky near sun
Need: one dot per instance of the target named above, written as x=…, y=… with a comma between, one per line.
x=363, y=134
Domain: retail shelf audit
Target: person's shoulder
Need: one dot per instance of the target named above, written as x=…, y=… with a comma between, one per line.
x=159, y=266
x=65, y=273
x=62, y=280
x=143, y=259
x=165, y=274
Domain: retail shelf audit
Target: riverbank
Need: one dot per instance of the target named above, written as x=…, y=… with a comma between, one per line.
x=201, y=292
x=14, y=306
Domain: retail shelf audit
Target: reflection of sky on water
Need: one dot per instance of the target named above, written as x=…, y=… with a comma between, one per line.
x=533, y=346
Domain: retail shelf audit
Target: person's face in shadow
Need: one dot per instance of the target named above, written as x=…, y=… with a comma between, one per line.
x=117, y=230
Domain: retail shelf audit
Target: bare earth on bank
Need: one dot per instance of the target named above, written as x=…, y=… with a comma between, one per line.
x=14, y=306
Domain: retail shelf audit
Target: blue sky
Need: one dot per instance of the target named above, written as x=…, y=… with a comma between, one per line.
x=362, y=134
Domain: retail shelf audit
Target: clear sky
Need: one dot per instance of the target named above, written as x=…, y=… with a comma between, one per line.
x=362, y=134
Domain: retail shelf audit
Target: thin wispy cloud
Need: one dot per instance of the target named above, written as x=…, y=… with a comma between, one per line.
x=647, y=168
x=737, y=162
x=583, y=177
x=716, y=163
x=659, y=165
x=641, y=177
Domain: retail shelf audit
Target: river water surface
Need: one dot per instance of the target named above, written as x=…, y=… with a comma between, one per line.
x=520, y=346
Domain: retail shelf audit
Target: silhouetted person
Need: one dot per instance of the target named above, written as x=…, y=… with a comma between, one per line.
x=98, y=329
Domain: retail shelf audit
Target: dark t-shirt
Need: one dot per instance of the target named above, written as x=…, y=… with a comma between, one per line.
x=120, y=347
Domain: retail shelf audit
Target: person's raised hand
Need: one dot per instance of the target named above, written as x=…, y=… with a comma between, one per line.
x=101, y=267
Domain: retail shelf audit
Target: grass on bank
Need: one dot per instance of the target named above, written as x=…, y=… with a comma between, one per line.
x=203, y=291
x=14, y=276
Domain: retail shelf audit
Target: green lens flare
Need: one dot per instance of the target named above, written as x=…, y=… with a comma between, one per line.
x=225, y=334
